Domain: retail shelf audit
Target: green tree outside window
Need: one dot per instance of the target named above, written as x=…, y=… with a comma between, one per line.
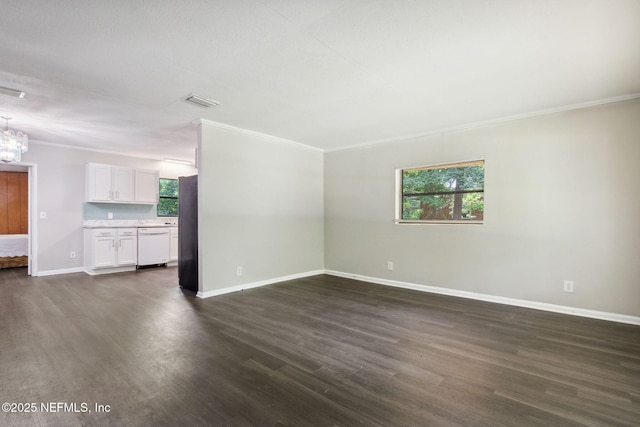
x=452, y=192
x=168, y=203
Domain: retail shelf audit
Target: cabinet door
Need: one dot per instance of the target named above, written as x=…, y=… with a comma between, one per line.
x=127, y=250
x=123, y=184
x=98, y=181
x=147, y=186
x=173, y=248
x=104, y=251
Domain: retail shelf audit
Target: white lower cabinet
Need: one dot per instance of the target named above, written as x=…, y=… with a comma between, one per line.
x=173, y=252
x=110, y=248
x=104, y=252
x=127, y=246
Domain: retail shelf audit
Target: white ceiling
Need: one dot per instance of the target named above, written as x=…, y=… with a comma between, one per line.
x=326, y=73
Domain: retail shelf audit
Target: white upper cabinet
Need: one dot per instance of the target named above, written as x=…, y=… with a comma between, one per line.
x=147, y=186
x=98, y=182
x=117, y=184
x=123, y=180
x=105, y=183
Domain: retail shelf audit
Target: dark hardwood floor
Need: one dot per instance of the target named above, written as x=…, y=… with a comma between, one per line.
x=320, y=351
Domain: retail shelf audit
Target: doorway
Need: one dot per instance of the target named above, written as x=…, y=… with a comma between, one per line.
x=17, y=224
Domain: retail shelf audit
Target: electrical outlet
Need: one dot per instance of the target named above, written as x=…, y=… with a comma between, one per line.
x=110, y=215
x=390, y=265
x=239, y=270
x=72, y=254
x=568, y=286
x=43, y=215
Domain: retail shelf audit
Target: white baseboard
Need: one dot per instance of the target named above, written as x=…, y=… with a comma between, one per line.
x=251, y=285
x=60, y=271
x=602, y=315
x=99, y=271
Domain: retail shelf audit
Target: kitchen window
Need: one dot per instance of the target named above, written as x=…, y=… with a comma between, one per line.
x=168, y=202
x=449, y=193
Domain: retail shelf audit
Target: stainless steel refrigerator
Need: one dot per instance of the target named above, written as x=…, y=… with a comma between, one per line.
x=188, y=232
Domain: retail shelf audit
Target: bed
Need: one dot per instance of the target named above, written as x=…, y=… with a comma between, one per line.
x=14, y=250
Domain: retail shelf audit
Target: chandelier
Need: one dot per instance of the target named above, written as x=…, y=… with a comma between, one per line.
x=12, y=144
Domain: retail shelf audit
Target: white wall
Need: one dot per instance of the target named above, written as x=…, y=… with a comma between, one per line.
x=261, y=207
x=561, y=202
x=61, y=191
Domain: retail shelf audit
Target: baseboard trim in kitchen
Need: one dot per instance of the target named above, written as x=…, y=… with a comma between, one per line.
x=60, y=271
x=242, y=287
x=574, y=311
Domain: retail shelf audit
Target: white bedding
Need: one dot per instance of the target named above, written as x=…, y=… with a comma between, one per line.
x=13, y=245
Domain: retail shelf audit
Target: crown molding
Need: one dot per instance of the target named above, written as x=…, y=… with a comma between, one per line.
x=457, y=128
x=474, y=125
x=99, y=150
x=254, y=133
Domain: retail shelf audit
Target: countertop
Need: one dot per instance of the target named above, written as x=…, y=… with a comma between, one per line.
x=129, y=223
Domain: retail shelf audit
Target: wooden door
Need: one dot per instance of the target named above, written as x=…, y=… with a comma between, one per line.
x=14, y=203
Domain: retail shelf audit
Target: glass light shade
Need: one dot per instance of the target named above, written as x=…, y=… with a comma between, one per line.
x=12, y=145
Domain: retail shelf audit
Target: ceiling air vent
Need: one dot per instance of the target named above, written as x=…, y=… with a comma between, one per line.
x=201, y=101
x=12, y=92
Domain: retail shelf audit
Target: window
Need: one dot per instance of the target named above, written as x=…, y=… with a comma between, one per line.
x=168, y=203
x=451, y=193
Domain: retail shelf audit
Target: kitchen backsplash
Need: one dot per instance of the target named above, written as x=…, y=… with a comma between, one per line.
x=120, y=211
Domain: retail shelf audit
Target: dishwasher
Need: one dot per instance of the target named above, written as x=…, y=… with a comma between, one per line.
x=153, y=245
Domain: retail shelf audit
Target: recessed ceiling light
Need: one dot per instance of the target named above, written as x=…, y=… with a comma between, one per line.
x=12, y=92
x=201, y=101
